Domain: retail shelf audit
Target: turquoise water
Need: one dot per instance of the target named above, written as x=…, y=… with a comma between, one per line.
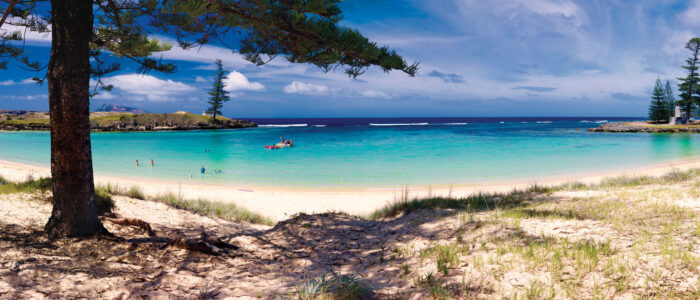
x=352, y=153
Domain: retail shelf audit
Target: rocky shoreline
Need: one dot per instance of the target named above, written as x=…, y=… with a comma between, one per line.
x=123, y=126
x=117, y=121
x=644, y=127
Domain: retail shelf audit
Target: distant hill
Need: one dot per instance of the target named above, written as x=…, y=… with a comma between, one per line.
x=118, y=108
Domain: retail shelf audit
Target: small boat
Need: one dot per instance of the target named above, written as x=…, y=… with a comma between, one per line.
x=279, y=145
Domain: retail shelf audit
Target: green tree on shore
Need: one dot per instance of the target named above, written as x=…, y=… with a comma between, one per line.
x=689, y=84
x=658, y=109
x=83, y=32
x=217, y=94
x=670, y=99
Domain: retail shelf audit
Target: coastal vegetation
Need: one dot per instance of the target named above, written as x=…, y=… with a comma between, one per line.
x=103, y=199
x=663, y=103
x=102, y=121
x=84, y=33
x=215, y=209
x=663, y=100
x=218, y=95
x=626, y=237
x=690, y=92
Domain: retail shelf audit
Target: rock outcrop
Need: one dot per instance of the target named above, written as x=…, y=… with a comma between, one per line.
x=637, y=127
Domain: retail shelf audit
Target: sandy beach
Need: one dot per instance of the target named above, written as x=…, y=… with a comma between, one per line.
x=281, y=203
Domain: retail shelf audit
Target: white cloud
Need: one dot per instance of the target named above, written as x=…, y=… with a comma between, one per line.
x=692, y=15
x=675, y=44
x=27, y=97
x=374, y=94
x=12, y=82
x=200, y=79
x=147, y=87
x=235, y=81
x=551, y=8
x=104, y=95
x=297, y=87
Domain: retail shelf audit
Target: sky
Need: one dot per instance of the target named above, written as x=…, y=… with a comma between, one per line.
x=477, y=58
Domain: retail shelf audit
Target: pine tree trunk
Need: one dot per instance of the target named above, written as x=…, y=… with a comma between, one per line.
x=74, y=213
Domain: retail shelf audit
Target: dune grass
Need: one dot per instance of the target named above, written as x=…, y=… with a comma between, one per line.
x=333, y=286
x=105, y=203
x=103, y=199
x=221, y=210
x=488, y=201
x=30, y=185
x=476, y=202
x=115, y=189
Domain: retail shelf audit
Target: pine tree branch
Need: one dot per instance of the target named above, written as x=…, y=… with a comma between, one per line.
x=7, y=12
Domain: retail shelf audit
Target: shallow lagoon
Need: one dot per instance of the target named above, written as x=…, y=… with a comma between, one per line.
x=370, y=152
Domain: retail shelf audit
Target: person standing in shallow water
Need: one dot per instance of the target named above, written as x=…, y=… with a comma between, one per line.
x=137, y=162
x=203, y=170
x=152, y=165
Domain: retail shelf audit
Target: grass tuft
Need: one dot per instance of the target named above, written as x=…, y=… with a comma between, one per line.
x=103, y=199
x=334, y=286
x=476, y=202
x=221, y=210
x=114, y=189
x=30, y=185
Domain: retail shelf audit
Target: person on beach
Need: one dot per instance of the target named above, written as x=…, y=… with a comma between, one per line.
x=137, y=162
x=203, y=170
x=152, y=163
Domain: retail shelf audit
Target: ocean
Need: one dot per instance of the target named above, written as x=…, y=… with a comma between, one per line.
x=370, y=152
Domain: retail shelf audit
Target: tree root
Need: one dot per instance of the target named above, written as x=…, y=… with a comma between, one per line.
x=119, y=220
x=205, y=244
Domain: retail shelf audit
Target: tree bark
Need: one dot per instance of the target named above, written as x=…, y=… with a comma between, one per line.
x=74, y=213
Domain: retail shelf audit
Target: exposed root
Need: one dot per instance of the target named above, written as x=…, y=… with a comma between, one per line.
x=119, y=220
x=205, y=244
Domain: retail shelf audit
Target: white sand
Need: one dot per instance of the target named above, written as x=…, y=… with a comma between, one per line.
x=281, y=203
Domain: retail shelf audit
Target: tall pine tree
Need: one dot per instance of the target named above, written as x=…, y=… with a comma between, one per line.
x=670, y=99
x=689, y=84
x=217, y=94
x=658, y=110
x=83, y=31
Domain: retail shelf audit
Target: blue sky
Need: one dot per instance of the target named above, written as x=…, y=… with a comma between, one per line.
x=478, y=58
